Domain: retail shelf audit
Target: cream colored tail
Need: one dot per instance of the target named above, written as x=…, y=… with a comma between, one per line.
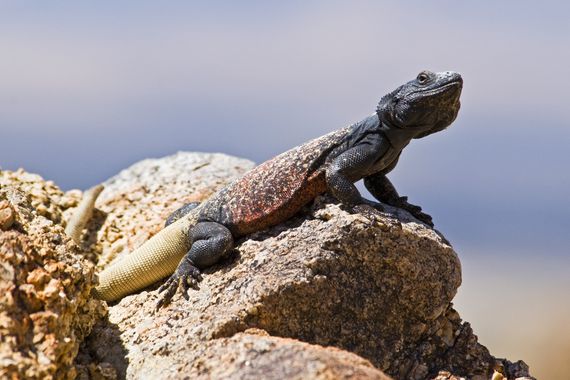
x=154, y=260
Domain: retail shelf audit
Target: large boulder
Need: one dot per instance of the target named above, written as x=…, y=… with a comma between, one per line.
x=378, y=285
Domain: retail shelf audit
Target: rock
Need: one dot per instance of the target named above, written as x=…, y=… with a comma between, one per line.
x=245, y=356
x=255, y=355
x=45, y=197
x=45, y=305
x=378, y=286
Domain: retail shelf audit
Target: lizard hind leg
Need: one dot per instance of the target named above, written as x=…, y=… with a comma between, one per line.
x=179, y=213
x=210, y=241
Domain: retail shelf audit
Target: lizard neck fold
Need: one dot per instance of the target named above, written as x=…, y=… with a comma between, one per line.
x=398, y=137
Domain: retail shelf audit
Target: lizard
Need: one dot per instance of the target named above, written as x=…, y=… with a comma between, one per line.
x=198, y=235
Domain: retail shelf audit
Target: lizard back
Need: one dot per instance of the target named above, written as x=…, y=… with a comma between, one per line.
x=276, y=189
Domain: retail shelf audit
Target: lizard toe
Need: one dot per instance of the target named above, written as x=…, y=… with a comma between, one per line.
x=168, y=289
x=185, y=277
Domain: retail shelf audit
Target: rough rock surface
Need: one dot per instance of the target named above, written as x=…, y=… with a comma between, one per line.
x=245, y=356
x=379, y=286
x=45, y=304
x=255, y=355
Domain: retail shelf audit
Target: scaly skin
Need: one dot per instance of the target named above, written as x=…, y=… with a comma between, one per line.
x=154, y=260
x=83, y=213
x=277, y=189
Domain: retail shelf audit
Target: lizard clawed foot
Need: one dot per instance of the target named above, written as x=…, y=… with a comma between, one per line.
x=186, y=276
x=416, y=211
x=423, y=217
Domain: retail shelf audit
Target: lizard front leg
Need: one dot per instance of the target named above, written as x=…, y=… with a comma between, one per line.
x=382, y=189
x=348, y=167
x=209, y=241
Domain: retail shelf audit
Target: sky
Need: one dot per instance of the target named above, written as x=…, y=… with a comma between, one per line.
x=86, y=89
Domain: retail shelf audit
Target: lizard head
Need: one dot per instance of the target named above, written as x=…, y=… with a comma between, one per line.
x=429, y=103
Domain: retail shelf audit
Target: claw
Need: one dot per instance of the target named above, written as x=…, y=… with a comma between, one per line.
x=416, y=211
x=185, y=277
x=427, y=219
x=185, y=287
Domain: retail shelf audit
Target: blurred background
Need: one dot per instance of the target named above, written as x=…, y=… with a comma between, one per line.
x=88, y=89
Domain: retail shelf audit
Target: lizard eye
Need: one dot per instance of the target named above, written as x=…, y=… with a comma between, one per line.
x=422, y=78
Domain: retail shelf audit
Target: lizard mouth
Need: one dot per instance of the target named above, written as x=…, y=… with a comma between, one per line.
x=455, y=85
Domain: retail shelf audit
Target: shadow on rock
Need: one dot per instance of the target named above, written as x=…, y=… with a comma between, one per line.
x=102, y=355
